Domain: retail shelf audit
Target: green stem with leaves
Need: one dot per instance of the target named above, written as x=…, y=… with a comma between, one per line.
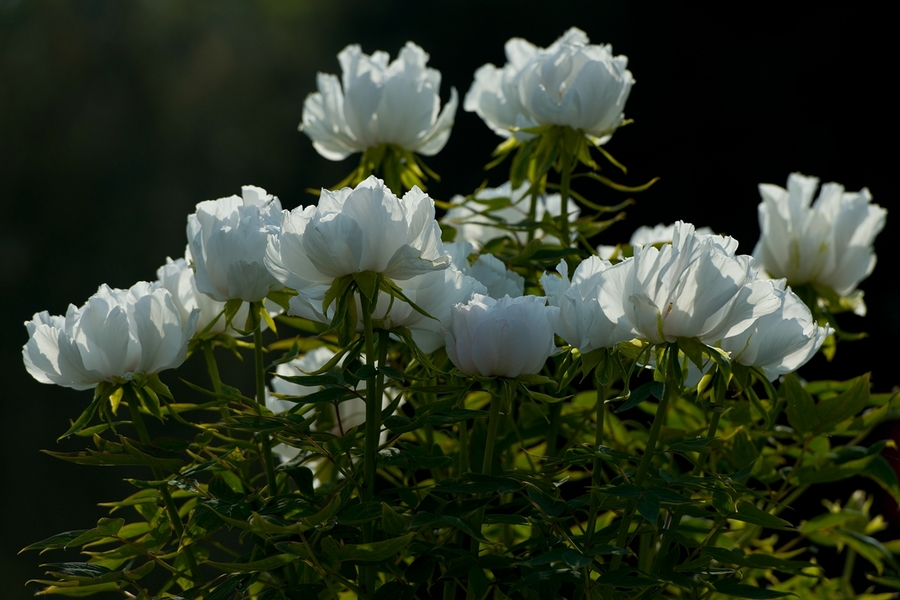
x=374, y=393
x=644, y=465
x=171, y=508
x=597, y=470
x=213, y=368
x=263, y=438
x=564, y=185
x=718, y=398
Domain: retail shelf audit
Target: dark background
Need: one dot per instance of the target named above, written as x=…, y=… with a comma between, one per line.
x=116, y=118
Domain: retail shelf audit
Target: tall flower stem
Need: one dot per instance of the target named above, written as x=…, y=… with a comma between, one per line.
x=263, y=438
x=564, y=185
x=644, y=465
x=213, y=368
x=718, y=398
x=497, y=402
x=171, y=508
x=597, y=470
x=374, y=393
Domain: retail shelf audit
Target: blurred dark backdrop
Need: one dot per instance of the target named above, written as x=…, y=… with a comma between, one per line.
x=116, y=118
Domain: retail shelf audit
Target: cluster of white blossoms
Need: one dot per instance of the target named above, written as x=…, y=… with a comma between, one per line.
x=115, y=335
x=695, y=286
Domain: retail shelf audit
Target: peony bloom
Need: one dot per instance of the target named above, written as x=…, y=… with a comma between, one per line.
x=178, y=277
x=367, y=228
x=487, y=270
x=826, y=243
x=581, y=322
x=501, y=338
x=116, y=334
x=435, y=292
x=381, y=103
x=647, y=236
x=477, y=227
x=572, y=83
x=686, y=289
x=783, y=340
x=227, y=240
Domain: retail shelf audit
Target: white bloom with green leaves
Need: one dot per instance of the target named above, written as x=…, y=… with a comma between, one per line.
x=824, y=243
x=582, y=324
x=507, y=337
x=356, y=230
x=781, y=341
x=686, y=289
x=571, y=83
x=377, y=102
x=227, y=240
x=177, y=276
x=115, y=335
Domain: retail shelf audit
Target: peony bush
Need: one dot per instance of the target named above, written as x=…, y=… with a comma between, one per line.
x=441, y=411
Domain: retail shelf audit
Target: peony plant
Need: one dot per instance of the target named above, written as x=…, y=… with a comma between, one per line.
x=453, y=419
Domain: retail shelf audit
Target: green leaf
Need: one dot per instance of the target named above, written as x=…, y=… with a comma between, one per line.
x=109, y=527
x=372, y=552
x=88, y=414
x=733, y=588
x=392, y=522
x=61, y=540
x=310, y=380
x=801, y=410
x=880, y=471
x=749, y=513
x=367, y=282
x=847, y=404
x=82, y=591
x=269, y=563
x=652, y=388
x=648, y=506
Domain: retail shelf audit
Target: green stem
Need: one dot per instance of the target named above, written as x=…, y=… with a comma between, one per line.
x=665, y=540
x=373, y=427
x=171, y=508
x=847, y=576
x=644, y=466
x=262, y=437
x=463, y=448
x=493, y=424
x=213, y=370
x=553, y=429
x=564, y=184
x=532, y=208
x=597, y=470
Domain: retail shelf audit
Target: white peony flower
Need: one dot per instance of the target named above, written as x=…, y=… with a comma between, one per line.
x=488, y=270
x=177, y=276
x=227, y=240
x=582, y=323
x=647, y=236
x=827, y=243
x=501, y=338
x=380, y=103
x=477, y=227
x=353, y=231
x=116, y=334
x=686, y=289
x=571, y=83
x=783, y=340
